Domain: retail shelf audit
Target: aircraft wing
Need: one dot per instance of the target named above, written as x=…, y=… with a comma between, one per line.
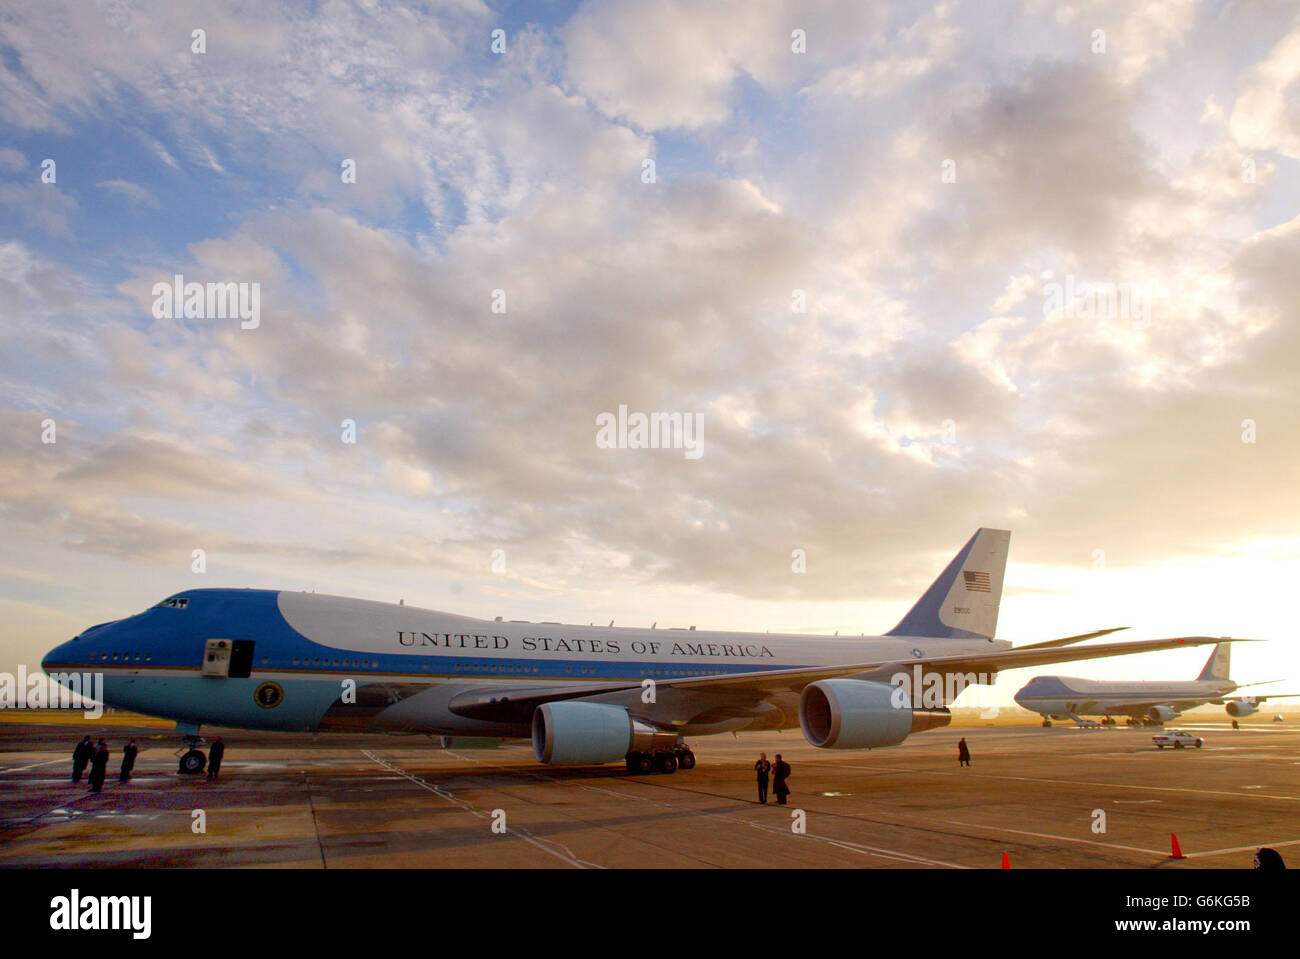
x=504, y=704
x=1132, y=706
x=1071, y=640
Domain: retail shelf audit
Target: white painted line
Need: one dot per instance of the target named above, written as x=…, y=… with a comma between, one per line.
x=857, y=847
x=1221, y=852
x=518, y=831
x=1084, y=782
x=1044, y=835
x=48, y=762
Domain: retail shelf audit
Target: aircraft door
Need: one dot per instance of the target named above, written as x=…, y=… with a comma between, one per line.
x=241, y=659
x=228, y=657
x=216, y=657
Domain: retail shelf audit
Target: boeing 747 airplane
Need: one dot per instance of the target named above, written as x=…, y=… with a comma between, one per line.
x=1144, y=703
x=293, y=661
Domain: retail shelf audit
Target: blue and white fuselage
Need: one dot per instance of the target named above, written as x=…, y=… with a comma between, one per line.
x=402, y=666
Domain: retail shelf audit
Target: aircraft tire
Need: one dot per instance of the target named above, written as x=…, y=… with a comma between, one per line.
x=192, y=763
x=666, y=763
x=686, y=760
x=642, y=763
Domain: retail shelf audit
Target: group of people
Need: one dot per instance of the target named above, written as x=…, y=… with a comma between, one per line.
x=96, y=756
x=779, y=772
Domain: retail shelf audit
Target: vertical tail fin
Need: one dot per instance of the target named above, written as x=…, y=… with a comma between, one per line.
x=1219, y=665
x=963, y=602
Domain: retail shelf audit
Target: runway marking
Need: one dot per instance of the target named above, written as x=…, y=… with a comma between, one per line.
x=18, y=769
x=1084, y=782
x=785, y=830
x=1221, y=852
x=1044, y=835
x=859, y=848
x=567, y=856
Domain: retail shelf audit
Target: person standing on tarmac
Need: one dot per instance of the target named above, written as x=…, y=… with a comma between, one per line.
x=81, y=758
x=215, y=754
x=128, y=761
x=963, y=753
x=780, y=773
x=762, y=768
x=98, y=766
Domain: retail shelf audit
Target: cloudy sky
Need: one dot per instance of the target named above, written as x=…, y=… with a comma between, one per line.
x=868, y=243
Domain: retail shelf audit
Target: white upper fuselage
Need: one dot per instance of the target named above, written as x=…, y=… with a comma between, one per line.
x=1061, y=696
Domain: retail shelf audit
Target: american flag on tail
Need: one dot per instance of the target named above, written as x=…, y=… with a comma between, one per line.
x=976, y=582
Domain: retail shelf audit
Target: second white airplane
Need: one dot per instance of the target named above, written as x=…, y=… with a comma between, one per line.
x=1144, y=703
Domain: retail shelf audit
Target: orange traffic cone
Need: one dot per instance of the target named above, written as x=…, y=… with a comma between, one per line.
x=1177, y=852
x=1006, y=861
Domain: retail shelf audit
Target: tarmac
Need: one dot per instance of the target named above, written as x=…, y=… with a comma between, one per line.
x=1060, y=798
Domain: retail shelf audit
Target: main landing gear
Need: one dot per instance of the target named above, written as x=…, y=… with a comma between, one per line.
x=663, y=761
x=193, y=759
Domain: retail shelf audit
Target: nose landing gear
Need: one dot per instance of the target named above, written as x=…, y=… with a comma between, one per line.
x=193, y=760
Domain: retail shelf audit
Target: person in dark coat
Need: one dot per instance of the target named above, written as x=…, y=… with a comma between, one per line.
x=780, y=773
x=963, y=753
x=762, y=768
x=81, y=758
x=128, y=760
x=98, y=766
x=1266, y=858
x=214, y=758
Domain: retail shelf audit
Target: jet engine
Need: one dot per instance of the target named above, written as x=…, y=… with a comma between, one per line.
x=861, y=714
x=1242, y=707
x=1161, y=714
x=574, y=733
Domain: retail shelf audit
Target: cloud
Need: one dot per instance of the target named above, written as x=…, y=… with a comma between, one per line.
x=664, y=65
x=134, y=194
x=42, y=205
x=923, y=390
x=1266, y=114
x=12, y=160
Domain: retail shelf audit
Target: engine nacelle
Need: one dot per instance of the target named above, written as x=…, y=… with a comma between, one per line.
x=580, y=733
x=575, y=733
x=861, y=714
x=1242, y=707
x=1161, y=714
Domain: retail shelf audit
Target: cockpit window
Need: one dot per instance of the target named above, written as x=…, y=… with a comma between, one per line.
x=176, y=602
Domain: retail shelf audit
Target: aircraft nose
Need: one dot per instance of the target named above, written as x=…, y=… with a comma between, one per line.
x=60, y=655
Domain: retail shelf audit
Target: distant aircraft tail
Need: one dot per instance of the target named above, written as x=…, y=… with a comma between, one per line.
x=1219, y=664
x=963, y=602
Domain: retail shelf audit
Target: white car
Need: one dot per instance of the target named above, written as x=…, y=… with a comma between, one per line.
x=1176, y=738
